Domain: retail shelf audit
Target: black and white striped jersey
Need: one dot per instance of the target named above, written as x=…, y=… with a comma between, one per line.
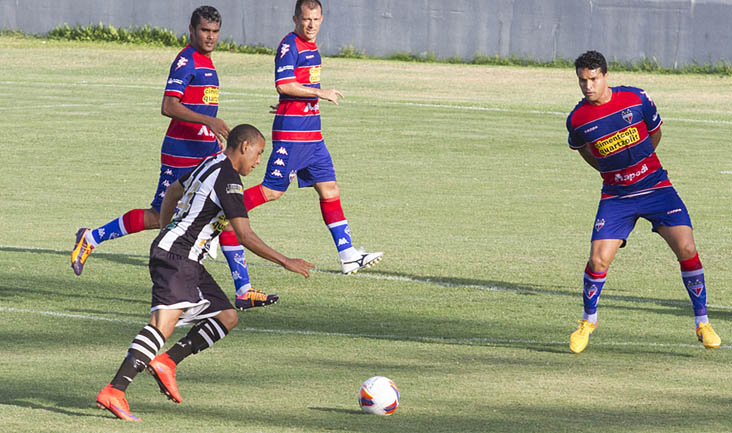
x=213, y=195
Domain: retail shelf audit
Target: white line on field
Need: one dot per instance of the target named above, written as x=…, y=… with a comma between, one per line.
x=425, y=339
x=394, y=103
x=375, y=275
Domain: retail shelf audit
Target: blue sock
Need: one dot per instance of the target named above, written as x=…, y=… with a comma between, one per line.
x=236, y=258
x=692, y=273
x=593, y=282
x=131, y=222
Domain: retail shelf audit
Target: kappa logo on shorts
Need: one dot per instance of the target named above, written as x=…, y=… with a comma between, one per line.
x=279, y=162
x=599, y=224
x=628, y=116
x=234, y=188
x=168, y=172
x=276, y=173
x=282, y=151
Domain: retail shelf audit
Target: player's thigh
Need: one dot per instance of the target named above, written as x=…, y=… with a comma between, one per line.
x=284, y=161
x=615, y=219
x=665, y=208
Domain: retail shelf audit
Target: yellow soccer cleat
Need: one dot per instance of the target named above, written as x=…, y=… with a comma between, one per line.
x=81, y=251
x=707, y=336
x=581, y=336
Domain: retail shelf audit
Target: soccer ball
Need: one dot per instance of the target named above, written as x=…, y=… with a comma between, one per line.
x=378, y=396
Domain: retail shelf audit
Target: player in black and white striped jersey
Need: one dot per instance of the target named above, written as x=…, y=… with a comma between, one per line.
x=183, y=291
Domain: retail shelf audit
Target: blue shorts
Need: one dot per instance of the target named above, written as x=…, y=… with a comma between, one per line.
x=168, y=175
x=311, y=163
x=616, y=216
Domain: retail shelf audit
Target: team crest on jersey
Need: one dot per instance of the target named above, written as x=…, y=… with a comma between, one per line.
x=628, y=116
x=599, y=224
x=284, y=49
x=182, y=61
x=234, y=188
x=282, y=151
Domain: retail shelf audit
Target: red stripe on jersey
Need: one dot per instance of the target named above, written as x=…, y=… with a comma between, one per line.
x=208, y=95
x=634, y=173
x=202, y=61
x=298, y=107
x=189, y=131
x=303, y=45
x=175, y=93
x=181, y=161
x=662, y=184
x=285, y=80
x=296, y=136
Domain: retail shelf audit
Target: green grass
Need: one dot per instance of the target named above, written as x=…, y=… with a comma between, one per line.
x=460, y=173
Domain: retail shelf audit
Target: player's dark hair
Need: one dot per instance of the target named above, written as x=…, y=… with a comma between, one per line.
x=591, y=60
x=209, y=13
x=311, y=4
x=242, y=133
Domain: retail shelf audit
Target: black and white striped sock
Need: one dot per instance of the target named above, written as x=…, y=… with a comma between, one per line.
x=202, y=336
x=142, y=350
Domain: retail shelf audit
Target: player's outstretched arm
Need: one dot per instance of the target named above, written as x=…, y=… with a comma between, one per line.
x=300, y=91
x=246, y=236
x=173, y=108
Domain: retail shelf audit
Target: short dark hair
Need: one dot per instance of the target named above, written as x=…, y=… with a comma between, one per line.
x=209, y=13
x=591, y=60
x=311, y=4
x=242, y=133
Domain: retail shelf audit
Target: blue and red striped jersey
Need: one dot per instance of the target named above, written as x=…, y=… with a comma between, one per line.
x=193, y=80
x=618, y=135
x=297, y=119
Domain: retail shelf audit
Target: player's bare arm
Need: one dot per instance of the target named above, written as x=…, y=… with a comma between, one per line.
x=300, y=91
x=170, y=201
x=655, y=138
x=246, y=236
x=172, y=107
x=588, y=157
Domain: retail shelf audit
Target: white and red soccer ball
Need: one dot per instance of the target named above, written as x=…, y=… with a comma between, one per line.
x=378, y=396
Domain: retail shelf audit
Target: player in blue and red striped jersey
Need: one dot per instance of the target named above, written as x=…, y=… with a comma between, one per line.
x=298, y=147
x=191, y=100
x=616, y=130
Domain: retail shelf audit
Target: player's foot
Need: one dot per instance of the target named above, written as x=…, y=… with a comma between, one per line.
x=365, y=260
x=162, y=368
x=81, y=251
x=581, y=336
x=113, y=400
x=707, y=336
x=254, y=298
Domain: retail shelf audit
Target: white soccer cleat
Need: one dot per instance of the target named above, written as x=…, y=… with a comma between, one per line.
x=364, y=260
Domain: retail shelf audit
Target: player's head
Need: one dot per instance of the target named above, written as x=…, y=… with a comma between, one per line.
x=244, y=147
x=591, y=68
x=204, y=29
x=308, y=17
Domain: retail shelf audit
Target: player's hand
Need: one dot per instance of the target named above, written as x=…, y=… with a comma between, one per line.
x=299, y=266
x=273, y=108
x=219, y=128
x=331, y=95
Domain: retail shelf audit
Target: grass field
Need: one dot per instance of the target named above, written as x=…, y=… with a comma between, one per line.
x=461, y=174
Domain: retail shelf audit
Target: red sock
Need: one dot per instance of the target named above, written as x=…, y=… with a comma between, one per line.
x=228, y=239
x=134, y=221
x=254, y=196
x=594, y=275
x=331, y=210
x=691, y=264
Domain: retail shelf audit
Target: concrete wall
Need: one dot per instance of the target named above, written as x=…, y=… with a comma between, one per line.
x=675, y=32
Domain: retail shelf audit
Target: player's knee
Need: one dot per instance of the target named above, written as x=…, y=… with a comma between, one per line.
x=152, y=219
x=272, y=194
x=599, y=263
x=687, y=251
x=229, y=318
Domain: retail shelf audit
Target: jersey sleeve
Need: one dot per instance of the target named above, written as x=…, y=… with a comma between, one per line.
x=650, y=112
x=230, y=192
x=181, y=74
x=285, y=62
x=574, y=140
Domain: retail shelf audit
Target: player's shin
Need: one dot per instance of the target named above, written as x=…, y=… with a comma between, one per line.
x=234, y=253
x=142, y=350
x=253, y=197
x=131, y=222
x=201, y=336
x=593, y=283
x=338, y=225
x=692, y=273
